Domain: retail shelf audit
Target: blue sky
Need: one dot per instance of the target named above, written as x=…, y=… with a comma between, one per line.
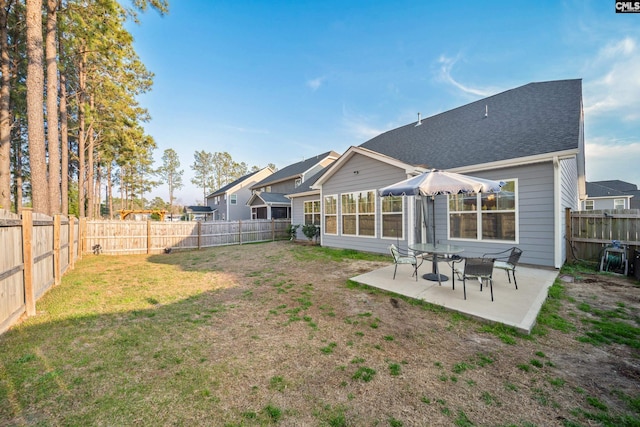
x=279, y=81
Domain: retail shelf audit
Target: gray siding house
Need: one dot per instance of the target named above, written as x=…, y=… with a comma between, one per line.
x=269, y=199
x=229, y=203
x=530, y=137
x=606, y=195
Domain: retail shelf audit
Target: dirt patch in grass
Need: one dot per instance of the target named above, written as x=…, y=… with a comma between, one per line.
x=276, y=334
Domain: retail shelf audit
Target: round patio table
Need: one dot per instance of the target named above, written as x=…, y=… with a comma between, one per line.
x=435, y=251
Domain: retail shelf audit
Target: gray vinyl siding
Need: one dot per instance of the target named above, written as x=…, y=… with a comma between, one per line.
x=284, y=187
x=535, y=189
x=569, y=198
x=240, y=210
x=371, y=175
x=297, y=212
x=535, y=198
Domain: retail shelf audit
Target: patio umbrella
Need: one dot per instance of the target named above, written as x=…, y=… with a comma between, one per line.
x=434, y=182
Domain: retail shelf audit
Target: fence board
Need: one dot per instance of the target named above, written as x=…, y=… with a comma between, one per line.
x=28, y=267
x=139, y=237
x=38, y=249
x=591, y=231
x=11, y=285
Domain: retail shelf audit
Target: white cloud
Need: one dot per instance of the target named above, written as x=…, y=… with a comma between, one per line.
x=316, y=83
x=612, y=86
x=444, y=73
x=359, y=126
x=605, y=161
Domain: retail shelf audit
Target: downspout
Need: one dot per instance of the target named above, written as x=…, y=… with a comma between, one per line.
x=321, y=218
x=557, y=214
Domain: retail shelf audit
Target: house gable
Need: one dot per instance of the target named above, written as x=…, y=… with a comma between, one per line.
x=229, y=202
x=284, y=179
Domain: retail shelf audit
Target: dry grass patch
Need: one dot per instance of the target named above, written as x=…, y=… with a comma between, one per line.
x=274, y=334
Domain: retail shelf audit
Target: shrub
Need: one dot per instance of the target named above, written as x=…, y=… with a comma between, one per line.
x=311, y=231
x=292, y=230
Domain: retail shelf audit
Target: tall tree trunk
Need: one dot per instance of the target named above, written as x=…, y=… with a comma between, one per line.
x=97, y=212
x=52, y=108
x=109, y=194
x=17, y=171
x=5, y=111
x=81, y=135
x=64, y=142
x=35, y=112
x=90, y=167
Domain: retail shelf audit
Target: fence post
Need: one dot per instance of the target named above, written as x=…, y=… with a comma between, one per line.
x=240, y=231
x=148, y=236
x=27, y=261
x=199, y=234
x=72, y=255
x=57, y=272
x=82, y=236
x=273, y=230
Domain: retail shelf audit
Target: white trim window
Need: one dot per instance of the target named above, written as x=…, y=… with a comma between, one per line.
x=233, y=199
x=588, y=205
x=330, y=214
x=485, y=216
x=358, y=212
x=618, y=204
x=393, y=217
x=312, y=212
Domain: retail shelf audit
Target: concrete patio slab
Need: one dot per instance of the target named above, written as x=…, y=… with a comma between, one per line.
x=518, y=308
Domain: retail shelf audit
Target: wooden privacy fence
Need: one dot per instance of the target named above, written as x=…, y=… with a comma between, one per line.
x=35, y=251
x=150, y=237
x=590, y=231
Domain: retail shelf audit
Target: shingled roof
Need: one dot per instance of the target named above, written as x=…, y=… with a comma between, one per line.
x=224, y=189
x=295, y=170
x=531, y=120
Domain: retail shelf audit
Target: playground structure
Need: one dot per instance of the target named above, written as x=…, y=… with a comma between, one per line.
x=124, y=213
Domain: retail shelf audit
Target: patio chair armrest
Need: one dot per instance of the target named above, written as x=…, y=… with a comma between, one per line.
x=497, y=255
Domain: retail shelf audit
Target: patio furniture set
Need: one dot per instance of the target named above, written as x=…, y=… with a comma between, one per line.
x=480, y=268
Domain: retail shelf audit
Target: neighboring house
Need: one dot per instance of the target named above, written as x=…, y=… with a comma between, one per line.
x=613, y=194
x=229, y=203
x=198, y=213
x=530, y=137
x=269, y=199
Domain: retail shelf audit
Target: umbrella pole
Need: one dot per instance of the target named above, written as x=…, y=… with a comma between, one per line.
x=425, y=214
x=433, y=220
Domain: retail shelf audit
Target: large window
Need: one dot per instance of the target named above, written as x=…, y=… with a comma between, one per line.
x=588, y=205
x=484, y=216
x=312, y=212
x=330, y=215
x=392, y=212
x=618, y=204
x=359, y=213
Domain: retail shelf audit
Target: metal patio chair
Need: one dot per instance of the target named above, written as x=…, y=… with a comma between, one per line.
x=478, y=268
x=402, y=257
x=507, y=260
